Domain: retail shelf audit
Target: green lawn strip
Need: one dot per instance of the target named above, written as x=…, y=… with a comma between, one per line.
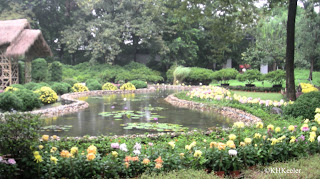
x=309, y=168
x=262, y=96
x=262, y=112
x=239, y=83
x=180, y=174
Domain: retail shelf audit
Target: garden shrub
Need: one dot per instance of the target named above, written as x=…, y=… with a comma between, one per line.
x=61, y=88
x=79, y=87
x=128, y=86
x=9, y=101
x=10, y=89
x=35, y=86
x=276, y=77
x=180, y=73
x=139, y=84
x=109, y=86
x=56, y=71
x=124, y=76
x=17, y=133
x=39, y=70
x=304, y=106
x=29, y=99
x=19, y=86
x=93, y=84
x=307, y=87
x=70, y=81
x=109, y=75
x=21, y=72
x=47, y=95
x=226, y=74
x=200, y=75
x=250, y=76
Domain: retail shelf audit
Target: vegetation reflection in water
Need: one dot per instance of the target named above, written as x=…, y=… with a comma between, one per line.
x=131, y=114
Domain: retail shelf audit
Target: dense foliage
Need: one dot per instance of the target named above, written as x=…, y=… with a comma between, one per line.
x=93, y=84
x=304, y=106
x=55, y=71
x=276, y=77
x=109, y=86
x=199, y=75
x=9, y=101
x=224, y=75
x=39, y=70
x=47, y=95
x=79, y=87
x=250, y=76
x=127, y=86
x=139, y=84
x=61, y=88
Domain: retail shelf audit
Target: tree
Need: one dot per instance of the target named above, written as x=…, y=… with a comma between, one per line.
x=290, y=85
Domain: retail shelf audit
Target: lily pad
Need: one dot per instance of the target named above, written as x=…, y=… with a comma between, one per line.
x=56, y=128
x=167, y=127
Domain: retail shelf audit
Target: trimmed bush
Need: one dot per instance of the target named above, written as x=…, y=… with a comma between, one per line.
x=93, y=84
x=56, y=71
x=226, y=74
x=250, y=76
x=200, y=75
x=109, y=86
x=9, y=101
x=276, y=77
x=39, y=70
x=10, y=89
x=78, y=87
x=47, y=95
x=29, y=99
x=35, y=86
x=128, y=86
x=139, y=84
x=70, y=81
x=19, y=86
x=304, y=106
x=61, y=88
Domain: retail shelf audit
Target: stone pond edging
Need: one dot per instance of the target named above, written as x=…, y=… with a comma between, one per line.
x=232, y=113
x=71, y=104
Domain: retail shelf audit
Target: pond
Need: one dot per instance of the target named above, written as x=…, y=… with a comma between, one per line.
x=122, y=114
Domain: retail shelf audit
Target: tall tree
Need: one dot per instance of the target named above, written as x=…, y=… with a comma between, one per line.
x=290, y=85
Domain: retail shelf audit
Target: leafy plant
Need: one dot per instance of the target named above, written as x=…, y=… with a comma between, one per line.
x=93, y=84
x=304, y=106
x=224, y=75
x=276, y=77
x=70, y=81
x=200, y=75
x=29, y=99
x=9, y=101
x=128, y=86
x=61, y=87
x=109, y=86
x=79, y=87
x=250, y=76
x=139, y=84
x=55, y=71
x=39, y=70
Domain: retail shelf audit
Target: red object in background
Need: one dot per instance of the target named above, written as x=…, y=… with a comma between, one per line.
x=246, y=66
x=241, y=66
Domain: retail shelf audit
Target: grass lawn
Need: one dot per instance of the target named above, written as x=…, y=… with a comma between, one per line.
x=263, y=96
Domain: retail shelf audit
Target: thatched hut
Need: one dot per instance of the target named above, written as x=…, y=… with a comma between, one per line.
x=18, y=39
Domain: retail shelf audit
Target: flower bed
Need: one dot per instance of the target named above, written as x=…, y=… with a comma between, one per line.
x=129, y=157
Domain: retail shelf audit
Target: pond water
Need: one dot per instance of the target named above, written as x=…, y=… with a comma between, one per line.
x=120, y=114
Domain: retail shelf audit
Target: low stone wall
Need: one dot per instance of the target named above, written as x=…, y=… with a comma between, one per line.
x=234, y=114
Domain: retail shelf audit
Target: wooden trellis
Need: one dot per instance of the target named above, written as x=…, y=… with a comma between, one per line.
x=9, y=72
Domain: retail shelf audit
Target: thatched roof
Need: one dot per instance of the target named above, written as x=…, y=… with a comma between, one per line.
x=18, y=39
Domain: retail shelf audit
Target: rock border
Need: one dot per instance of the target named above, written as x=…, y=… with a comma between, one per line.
x=232, y=113
x=72, y=105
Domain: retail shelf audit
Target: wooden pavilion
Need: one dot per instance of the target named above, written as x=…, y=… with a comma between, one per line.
x=17, y=39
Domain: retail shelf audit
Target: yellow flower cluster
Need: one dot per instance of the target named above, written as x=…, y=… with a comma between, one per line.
x=79, y=87
x=92, y=151
x=47, y=95
x=189, y=147
x=307, y=87
x=10, y=89
x=197, y=153
x=317, y=116
x=171, y=143
x=128, y=86
x=238, y=125
x=275, y=141
x=210, y=92
x=109, y=86
x=37, y=157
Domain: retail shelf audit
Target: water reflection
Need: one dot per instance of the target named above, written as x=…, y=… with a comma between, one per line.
x=88, y=122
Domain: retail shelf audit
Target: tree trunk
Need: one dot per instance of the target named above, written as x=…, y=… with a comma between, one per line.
x=311, y=68
x=135, y=46
x=290, y=85
x=27, y=70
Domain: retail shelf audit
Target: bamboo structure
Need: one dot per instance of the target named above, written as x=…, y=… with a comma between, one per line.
x=17, y=39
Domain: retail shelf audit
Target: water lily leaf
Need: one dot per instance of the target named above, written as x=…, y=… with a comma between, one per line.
x=118, y=119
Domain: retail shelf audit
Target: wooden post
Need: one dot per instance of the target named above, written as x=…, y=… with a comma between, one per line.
x=27, y=70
